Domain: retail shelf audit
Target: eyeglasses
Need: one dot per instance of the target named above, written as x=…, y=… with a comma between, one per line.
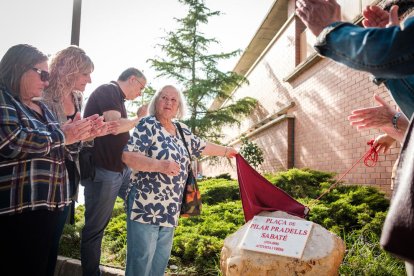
x=44, y=75
x=142, y=86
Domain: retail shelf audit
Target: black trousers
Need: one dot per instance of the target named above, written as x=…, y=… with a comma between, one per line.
x=25, y=242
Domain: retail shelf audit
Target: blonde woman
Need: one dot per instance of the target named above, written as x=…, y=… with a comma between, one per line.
x=70, y=72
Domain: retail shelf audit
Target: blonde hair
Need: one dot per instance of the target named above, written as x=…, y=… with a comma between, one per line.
x=182, y=106
x=63, y=69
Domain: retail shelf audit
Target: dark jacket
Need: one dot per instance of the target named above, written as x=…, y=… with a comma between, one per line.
x=398, y=232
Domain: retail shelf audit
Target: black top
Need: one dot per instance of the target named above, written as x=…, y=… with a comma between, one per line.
x=107, y=150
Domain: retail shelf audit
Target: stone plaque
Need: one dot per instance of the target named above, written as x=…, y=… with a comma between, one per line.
x=286, y=237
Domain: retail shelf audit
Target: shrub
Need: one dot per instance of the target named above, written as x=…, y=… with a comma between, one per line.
x=219, y=190
x=114, y=240
x=69, y=245
x=348, y=207
x=302, y=183
x=224, y=176
x=251, y=152
x=198, y=240
x=193, y=248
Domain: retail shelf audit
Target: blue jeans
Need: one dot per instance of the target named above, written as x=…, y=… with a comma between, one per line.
x=148, y=246
x=100, y=196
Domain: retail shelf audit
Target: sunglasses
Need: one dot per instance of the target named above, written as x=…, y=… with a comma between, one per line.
x=44, y=75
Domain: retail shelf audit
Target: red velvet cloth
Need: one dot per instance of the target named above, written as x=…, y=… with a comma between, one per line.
x=258, y=194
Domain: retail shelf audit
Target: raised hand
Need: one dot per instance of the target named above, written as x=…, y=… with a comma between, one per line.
x=318, y=14
x=379, y=117
x=393, y=17
x=373, y=117
x=375, y=16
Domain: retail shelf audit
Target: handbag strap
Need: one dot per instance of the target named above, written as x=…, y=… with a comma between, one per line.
x=180, y=130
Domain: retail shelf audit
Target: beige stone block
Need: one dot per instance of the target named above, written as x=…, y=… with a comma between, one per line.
x=323, y=254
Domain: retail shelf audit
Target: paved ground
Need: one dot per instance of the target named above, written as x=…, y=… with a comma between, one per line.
x=72, y=267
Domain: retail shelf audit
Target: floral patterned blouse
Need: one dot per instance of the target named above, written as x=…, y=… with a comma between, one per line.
x=158, y=197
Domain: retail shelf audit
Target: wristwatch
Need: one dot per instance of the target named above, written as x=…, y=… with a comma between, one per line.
x=395, y=120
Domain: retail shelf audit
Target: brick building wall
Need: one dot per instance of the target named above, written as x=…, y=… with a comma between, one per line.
x=324, y=94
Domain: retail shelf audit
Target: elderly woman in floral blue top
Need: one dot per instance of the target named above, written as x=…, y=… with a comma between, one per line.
x=159, y=160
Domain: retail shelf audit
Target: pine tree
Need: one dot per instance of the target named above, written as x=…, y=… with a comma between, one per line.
x=190, y=64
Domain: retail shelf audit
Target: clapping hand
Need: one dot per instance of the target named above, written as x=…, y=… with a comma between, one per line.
x=381, y=117
x=111, y=128
x=318, y=14
x=373, y=117
x=375, y=16
x=102, y=128
x=77, y=129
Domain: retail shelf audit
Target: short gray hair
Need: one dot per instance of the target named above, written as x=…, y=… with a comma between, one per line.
x=182, y=106
x=131, y=72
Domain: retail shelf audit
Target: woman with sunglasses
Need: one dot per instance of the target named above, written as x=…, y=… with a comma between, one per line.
x=70, y=72
x=33, y=181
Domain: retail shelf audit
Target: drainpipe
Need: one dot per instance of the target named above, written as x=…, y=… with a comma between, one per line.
x=76, y=18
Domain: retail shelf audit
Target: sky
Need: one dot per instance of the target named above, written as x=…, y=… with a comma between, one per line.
x=118, y=34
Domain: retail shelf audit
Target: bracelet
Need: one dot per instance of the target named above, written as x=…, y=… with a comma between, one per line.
x=225, y=152
x=395, y=120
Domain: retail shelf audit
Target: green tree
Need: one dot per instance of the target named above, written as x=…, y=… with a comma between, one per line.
x=188, y=61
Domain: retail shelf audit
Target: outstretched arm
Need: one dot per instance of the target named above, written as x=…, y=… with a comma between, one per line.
x=212, y=149
x=382, y=117
x=124, y=123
